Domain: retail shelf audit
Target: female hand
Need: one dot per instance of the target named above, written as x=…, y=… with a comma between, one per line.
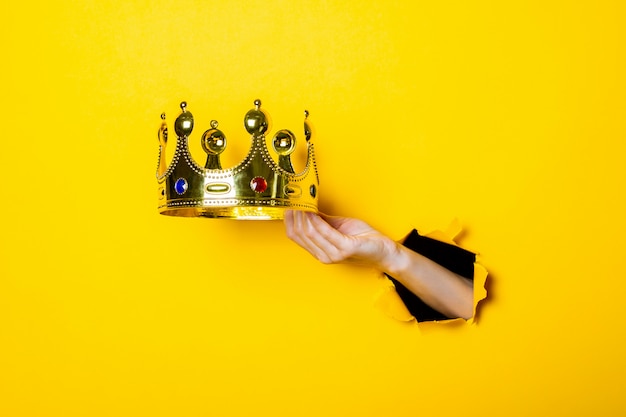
x=333, y=239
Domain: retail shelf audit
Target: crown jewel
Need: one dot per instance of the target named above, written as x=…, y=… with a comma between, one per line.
x=258, y=187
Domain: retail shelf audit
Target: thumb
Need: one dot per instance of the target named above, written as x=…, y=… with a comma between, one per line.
x=334, y=221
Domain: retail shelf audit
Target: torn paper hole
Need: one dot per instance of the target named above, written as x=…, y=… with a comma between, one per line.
x=440, y=247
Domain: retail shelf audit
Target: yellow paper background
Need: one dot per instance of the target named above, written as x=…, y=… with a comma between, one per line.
x=508, y=116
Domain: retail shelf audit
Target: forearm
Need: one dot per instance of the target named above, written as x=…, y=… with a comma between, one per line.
x=443, y=290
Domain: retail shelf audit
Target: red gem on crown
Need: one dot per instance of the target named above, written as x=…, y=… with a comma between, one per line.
x=258, y=184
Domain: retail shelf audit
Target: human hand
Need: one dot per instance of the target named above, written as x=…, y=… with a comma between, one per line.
x=332, y=239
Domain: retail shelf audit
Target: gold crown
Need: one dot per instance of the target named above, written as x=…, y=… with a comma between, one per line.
x=257, y=188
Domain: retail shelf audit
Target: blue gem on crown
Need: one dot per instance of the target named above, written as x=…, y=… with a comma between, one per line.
x=180, y=186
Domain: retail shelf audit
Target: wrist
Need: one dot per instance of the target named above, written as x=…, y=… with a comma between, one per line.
x=394, y=259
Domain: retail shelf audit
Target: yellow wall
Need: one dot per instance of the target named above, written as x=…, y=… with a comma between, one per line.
x=509, y=117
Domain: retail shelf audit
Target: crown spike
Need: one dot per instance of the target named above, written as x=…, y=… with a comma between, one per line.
x=307, y=127
x=256, y=121
x=213, y=142
x=284, y=144
x=163, y=131
x=183, y=126
x=162, y=135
